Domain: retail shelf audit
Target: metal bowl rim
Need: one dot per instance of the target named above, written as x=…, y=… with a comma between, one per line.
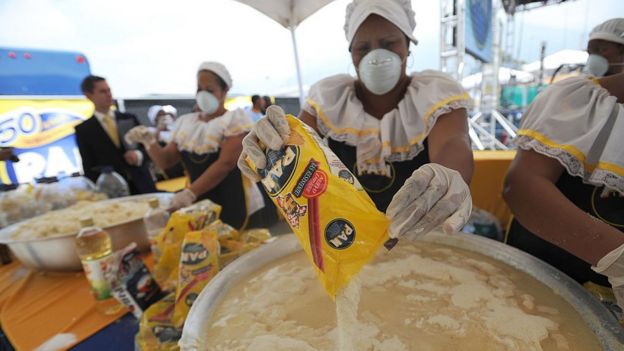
x=607, y=330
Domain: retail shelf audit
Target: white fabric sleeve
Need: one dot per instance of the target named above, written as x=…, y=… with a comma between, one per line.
x=240, y=123
x=578, y=123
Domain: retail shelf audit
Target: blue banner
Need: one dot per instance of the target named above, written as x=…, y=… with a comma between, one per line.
x=479, y=29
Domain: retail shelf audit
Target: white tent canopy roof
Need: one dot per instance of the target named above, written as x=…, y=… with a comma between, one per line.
x=287, y=12
x=555, y=60
x=504, y=76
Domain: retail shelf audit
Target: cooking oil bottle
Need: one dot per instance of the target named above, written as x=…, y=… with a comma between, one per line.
x=95, y=249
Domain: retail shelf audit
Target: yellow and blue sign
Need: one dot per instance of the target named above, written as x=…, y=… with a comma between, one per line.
x=41, y=131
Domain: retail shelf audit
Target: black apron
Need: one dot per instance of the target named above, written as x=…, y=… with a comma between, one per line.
x=381, y=189
x=230, y=194
x=587, y=198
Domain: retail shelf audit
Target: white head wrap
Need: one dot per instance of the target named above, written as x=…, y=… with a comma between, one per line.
x=398, y=12
x=152, y=112
x=611, y=30
x=170, y=110
x=218, y=69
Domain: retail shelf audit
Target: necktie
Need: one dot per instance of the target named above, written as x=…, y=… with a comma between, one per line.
x=111, y=129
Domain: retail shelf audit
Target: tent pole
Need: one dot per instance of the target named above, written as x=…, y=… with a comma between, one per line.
x=299, y=80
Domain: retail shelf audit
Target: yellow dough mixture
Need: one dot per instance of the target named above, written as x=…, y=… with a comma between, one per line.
x=67, y=221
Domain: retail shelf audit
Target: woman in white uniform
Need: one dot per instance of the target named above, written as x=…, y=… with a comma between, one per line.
x=208, y=144
x=565, y=186
x=404, y=136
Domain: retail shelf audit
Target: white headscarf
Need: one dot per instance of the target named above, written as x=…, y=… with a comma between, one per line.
x=218, y=69
x=611, y=30
x=398, y=12
x=152, y=113
x=170, y=110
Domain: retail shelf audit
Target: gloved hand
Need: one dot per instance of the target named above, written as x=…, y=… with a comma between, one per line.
x=612, y=265
x=433, y=195
x=272, y=131
x=182, y=199
x=141, y=134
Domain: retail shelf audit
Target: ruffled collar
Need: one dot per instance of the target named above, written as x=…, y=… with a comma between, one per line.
x=193, y=134
x=400, y=133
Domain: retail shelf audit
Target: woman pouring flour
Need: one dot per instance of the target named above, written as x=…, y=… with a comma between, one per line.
x=404, y=136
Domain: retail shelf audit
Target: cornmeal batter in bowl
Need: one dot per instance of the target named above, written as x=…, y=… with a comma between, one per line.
x=419, y=296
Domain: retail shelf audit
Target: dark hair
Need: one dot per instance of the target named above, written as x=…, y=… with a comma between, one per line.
x=255, y=98
x=220, y=80
x=88, y=84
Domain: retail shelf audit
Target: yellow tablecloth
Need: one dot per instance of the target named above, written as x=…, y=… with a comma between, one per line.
x=172, y=185
x=36, y=306
x=40, y=305
x=487, y=182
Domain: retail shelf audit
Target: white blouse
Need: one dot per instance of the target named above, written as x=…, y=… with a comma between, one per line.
x=192, y=134
x=400, y=133
x=578, y=123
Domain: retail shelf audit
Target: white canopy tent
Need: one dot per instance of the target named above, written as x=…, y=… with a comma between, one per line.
x=289, y=14
x=553, y=61
x=504, y=76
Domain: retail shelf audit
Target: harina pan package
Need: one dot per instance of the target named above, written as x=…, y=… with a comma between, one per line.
x=333, y=217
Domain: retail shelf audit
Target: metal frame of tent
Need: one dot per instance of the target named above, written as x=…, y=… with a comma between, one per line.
x=484, y=122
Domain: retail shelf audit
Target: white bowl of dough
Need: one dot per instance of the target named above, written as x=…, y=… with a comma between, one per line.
x=46, y=242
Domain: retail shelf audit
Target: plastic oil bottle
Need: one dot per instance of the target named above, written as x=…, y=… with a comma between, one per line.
x=94, y=247
x=155, y=221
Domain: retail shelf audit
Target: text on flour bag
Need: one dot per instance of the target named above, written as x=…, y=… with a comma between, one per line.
x=334, y=219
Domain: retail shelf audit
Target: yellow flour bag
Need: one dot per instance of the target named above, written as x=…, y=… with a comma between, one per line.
x=169, y=242
x=335, y=220
x=199, y=263
x=156, y=332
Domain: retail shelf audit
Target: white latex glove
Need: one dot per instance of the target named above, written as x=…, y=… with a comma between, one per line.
x=182, y=199
x=433, y=195
x=141, y=134
x=612, y=265
x=273, y=131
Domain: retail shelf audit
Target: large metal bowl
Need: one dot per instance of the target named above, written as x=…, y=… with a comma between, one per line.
x=58, y=253
x=608, y=331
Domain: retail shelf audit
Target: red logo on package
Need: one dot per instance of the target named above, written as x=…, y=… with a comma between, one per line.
x=316, y=186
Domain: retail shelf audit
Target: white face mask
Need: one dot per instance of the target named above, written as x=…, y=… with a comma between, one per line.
x=207, y=102
x=380, y=71
x=165, y=123
x=596, y=65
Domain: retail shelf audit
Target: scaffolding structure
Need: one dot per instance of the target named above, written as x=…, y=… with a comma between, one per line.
x=486, y=120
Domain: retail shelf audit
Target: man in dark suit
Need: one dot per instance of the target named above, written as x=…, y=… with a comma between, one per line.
x=101, y=141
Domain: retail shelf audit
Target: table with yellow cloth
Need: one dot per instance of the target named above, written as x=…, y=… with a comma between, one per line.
x=487, y=182
x=36, y=306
